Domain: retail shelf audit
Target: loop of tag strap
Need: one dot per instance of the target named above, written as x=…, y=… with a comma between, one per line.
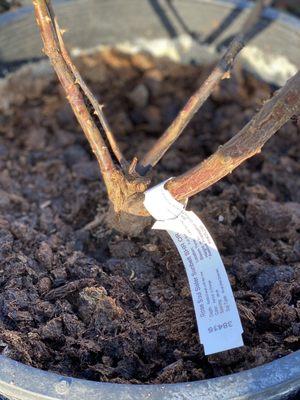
x=161, y=204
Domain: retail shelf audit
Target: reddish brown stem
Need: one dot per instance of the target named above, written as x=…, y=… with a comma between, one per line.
x=248, y=142
x=97, y=107
x=221, y=70
x=73, y=92
x=124, y=189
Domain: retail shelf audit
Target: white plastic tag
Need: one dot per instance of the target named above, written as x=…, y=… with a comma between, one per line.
x=218, y=321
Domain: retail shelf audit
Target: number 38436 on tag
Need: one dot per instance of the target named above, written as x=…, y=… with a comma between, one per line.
x=219, y=327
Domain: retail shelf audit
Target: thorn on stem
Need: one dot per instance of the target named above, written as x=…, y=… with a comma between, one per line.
x=226, y=75
x=132, y=167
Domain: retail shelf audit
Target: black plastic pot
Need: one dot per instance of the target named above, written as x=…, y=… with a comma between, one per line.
x=182, y=29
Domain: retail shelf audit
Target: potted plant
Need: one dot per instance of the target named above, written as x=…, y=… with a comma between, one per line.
x=126, y=182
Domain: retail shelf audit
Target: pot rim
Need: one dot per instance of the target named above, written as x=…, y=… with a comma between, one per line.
x=279, y=377
x=269, y=381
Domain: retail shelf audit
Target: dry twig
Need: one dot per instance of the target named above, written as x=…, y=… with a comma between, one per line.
x=193, y=105
x=78, y=79
x=248, y=142
x=74, y=95
x=121, y=186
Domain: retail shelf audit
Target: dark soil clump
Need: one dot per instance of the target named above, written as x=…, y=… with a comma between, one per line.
x=80, y=299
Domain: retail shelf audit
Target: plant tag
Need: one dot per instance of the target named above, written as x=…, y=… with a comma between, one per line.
x=218, y=320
